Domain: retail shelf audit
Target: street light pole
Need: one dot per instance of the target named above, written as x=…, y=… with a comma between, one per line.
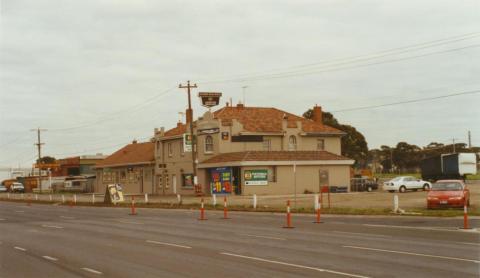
x=190, y=121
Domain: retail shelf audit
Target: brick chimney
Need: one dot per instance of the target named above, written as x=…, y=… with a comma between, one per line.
x=317, y=114
x=240, y=105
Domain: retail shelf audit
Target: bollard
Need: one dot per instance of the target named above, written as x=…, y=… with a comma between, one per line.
x=179, y=199
x=316, y=200
x=465, y=216
x=8, y=195
x=395, y=203
x=202, y=211
x=214, y=200
x=146, y=198
x=93, y=198
x=36, y=197
x=255, y=201
x=225, y=212
x=50, y=197
x=319, y=208
x=75, y=198
x=63, y=199
x=133, y=212
x=289, y=217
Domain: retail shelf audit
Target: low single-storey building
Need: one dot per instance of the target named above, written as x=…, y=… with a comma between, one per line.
x=132, y=166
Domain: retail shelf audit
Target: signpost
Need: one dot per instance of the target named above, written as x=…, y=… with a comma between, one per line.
x=256, y=177
x=187, y=142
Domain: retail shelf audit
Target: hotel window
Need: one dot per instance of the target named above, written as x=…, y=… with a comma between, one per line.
x=209, y=144
x=292, y=143
x=182, y=151
x=320, y=144
x=170, y=150
x=267, y=144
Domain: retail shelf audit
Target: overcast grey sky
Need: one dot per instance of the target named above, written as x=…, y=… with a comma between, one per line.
x=98, y=74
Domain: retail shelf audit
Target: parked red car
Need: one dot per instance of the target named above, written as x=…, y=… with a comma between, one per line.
x=448, y=193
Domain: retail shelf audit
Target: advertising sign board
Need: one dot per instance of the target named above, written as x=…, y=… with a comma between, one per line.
x=221, y=181
x=256, y=177
x=187, y=142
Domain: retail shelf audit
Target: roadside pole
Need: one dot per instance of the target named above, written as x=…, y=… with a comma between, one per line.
x=202, y=210
x=254, y=201
x=295, y=185
x=289, y=217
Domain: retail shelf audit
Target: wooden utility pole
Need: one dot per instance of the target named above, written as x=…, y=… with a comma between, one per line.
x=189, y=117
x=39, y=148
x=469, y=140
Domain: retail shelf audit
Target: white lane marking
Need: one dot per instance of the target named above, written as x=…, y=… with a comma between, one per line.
x=50, y=258
x=67, y=217
x=130, y=222
x=411, y=253
x=2, y=219
x=19, y=211
x=445, y=229
x=52, y=226
x=469, y=243
x=168, y=244
x=20, y=248
x=267, y=237
x=92, y=270
x=295, y=265
x=361, y=234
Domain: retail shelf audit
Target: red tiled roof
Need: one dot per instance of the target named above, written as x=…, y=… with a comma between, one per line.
x=135, y=153
x=274, y=156
x=178, y=130
x=262, y=119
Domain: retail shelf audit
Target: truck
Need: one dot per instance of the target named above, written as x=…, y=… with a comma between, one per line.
x=449, y=166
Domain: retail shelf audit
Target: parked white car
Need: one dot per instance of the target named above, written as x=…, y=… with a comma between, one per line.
x=402, y=184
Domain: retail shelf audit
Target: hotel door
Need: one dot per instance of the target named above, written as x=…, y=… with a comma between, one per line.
x=323, y=178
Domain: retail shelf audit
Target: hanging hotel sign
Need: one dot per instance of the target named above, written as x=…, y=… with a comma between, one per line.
x=209, y=130
x=210, y=99
x=256, y=177
x=187, y=142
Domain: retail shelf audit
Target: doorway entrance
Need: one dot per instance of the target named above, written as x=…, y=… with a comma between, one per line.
x=237, y=180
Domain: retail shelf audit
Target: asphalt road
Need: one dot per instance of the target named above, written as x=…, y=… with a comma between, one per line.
x=59, y=241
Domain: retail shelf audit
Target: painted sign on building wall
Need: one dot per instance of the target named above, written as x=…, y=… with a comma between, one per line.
x=221, y=181
x=256, y=177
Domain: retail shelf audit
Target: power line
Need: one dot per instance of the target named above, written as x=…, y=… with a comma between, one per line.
x=332, y=69
x=407, y=101
x=356, y=59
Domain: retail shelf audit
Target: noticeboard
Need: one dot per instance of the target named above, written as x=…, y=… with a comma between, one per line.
x=221, y=180
x=256, y=177
x=187, y=142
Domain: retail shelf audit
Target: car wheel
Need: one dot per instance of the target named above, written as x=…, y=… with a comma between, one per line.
x=426, y=187
x=402, y=189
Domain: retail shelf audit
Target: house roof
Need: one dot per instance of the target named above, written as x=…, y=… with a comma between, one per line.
x=266, y=119
x=178, y=130
x=274, y=156
x=131, y=154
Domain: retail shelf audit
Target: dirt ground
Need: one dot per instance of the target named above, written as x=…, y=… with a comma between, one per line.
x=359, y=200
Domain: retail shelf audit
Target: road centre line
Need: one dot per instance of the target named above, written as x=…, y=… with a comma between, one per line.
x=267, y=237
x=92, y=270
x=50, y=258
x=52, y=226
x=414, y=228
x=19, y=211
x=468, y=243
x=411, y=253
x=168, y=244
x=295, y=265
x=2, y=219
x=67, y=217
x=361, y=234
x=130, y=222
x=20, y=248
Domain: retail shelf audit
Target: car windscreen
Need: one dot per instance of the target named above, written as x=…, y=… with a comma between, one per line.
x=396, y=179
x=447, y=186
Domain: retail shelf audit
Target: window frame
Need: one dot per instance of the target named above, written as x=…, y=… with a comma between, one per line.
x=292, y=143
x=322, y=144
x=208, y=144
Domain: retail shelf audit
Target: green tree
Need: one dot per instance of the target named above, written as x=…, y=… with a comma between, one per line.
x=46, y=160
x=354, y=144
